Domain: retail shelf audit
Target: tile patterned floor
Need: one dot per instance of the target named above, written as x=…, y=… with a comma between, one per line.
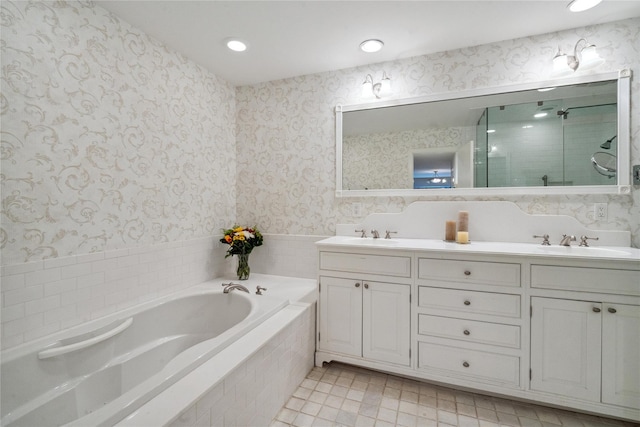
x=343, y=395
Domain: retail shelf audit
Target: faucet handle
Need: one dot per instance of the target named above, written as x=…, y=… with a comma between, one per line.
x=363, y=231
x=388, y=234
x=545, y=239
x=583, y=240
x=259, y=290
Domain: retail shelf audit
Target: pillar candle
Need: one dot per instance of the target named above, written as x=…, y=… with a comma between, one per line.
x=463, y=237
x=463, y=221
x=450, y=231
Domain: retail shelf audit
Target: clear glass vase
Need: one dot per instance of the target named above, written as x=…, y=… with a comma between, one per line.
x=243, y=267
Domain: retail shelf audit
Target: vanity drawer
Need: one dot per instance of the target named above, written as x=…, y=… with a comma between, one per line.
x=383, y=265
x=601, y=280
x=469, y=330
x=463, y=301
x=488, y=273
x=483, y=365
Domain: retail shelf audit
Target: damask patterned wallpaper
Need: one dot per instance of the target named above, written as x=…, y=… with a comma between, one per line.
x=286, y=130
x=109, y=139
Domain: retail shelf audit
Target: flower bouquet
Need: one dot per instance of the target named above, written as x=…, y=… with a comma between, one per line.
x=241, y=241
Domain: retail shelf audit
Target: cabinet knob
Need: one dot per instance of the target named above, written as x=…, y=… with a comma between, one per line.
x=611, y=310
x=366, y=286
x=596, y=309
x=467, y=302
x=465, y=364
x=357, y=285
x=467, y=273
x=466, y=332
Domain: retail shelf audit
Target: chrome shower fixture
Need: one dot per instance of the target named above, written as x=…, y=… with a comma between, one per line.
x=607, y=144
x=564, y=113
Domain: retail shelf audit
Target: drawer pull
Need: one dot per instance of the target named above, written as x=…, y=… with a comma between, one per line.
x=366, y=286
x=357, y=285
x=467, y=273
x=467, y=302
x=612, y=310
x=596, y=310
x=466, y=332
x=465, y=364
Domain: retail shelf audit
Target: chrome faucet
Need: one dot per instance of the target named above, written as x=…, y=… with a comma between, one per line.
x=375, y=234
x=545, y=239
x=583, y=240
x=566, y=240
x=228, y=287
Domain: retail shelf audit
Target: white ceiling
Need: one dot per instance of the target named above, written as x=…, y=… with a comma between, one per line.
x=293, y=38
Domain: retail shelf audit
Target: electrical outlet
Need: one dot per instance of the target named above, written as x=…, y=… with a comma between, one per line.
x=356, y=209
x=600, y=211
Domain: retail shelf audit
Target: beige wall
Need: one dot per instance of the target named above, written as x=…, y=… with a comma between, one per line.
x=122, y=160
x=286, y=135
x=109, y=139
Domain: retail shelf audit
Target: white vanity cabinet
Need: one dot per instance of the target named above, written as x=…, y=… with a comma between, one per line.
x=565, y=343
x=586, y=350
x=561, y=330
x=365, y=315
x=469, y=319
x=586, y=345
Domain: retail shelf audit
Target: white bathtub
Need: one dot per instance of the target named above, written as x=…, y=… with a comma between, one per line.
x=117, y=363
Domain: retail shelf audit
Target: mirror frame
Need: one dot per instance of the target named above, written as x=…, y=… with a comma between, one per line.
x=623, y=186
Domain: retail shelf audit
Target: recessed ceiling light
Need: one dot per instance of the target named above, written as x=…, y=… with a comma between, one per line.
x=236, y=45
x=371, y=45
x=540, y=115
x=580, y=5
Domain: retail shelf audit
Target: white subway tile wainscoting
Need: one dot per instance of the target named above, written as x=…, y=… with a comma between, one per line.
x=43, y=297
x=343, y=395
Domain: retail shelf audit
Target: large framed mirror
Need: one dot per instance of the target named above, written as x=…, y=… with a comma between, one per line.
x=568, y=136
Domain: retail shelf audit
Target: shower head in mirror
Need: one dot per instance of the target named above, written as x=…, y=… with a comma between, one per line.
x=607, y=144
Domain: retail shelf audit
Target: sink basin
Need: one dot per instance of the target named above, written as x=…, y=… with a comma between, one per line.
x=368, y=241
x=582, y=251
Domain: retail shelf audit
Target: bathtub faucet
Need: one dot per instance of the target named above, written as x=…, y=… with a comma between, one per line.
x=228, y=287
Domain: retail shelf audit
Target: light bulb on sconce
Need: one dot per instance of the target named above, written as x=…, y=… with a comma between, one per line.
x=584, y=55
x=380, y=89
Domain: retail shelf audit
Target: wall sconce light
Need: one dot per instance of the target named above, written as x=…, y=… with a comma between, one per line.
x=584, y=54
x=380, y=89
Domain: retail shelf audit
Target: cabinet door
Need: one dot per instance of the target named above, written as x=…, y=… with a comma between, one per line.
x=621, y=355
x=341, y=315
x=386, y=322
x=565, y=347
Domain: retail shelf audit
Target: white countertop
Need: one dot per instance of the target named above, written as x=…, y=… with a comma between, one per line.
x=499, y=248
